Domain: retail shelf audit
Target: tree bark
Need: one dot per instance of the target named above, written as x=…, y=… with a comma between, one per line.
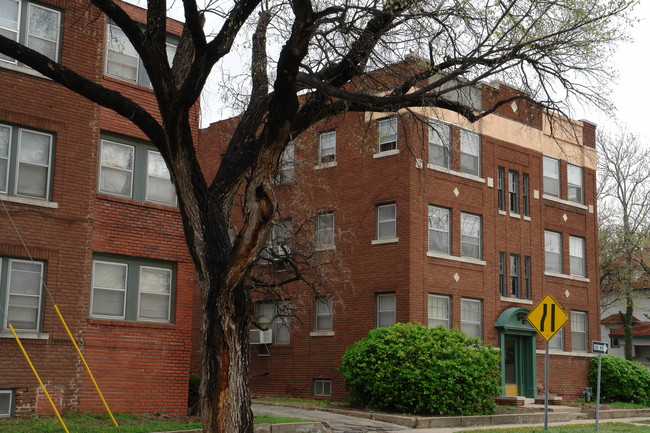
x=627, y=324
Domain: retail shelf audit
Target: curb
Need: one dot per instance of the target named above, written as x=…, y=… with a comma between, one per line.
x=291, y=427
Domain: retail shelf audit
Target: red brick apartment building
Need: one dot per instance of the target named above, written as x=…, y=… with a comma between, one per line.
x=441, y=222
x=95, y=208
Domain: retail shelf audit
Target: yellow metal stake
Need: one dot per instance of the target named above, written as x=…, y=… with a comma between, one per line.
x=47, y=394
x=56, y=308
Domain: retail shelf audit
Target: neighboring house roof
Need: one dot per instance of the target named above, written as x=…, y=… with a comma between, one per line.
x=616, y=318
x=638, y=331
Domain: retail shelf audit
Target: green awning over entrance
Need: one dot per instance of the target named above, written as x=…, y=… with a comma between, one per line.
x=513, y=321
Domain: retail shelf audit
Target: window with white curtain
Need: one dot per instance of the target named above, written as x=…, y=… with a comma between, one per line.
x=470, y=152
x=439, y=314
x=21, y=293
x=131, y=289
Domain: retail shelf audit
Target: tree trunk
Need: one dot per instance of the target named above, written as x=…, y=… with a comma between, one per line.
x=627, y=324
x=224, y=393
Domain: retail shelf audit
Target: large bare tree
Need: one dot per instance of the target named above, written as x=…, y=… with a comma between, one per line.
x=553, y=50
x=624, y=233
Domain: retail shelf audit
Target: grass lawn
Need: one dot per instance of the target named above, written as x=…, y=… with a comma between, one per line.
x=102, y=424
x=582, y=428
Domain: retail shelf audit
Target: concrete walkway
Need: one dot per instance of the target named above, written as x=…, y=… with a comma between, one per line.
x=349, y=421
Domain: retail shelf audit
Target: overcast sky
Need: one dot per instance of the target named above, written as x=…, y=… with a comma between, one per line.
x=632, y=89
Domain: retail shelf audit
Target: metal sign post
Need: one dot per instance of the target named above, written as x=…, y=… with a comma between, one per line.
x=547, y=318
x=601, y=349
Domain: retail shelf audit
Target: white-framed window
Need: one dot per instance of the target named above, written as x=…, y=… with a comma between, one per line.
x=386, y=221
x=134, y=170
x=470, y=152
x=325, y=230
x=277, y=317
x=579, y=331
x=386, y=304
x=552, y=251
x=439, y=230
x=21, y=293
x=6, y=403
x=575, y=181
x=557, y=342
x=323, y=314
x=387, y=134
x=471, y=317
x=26, y=159
x=513, y=191
x=439, y=311
x=327, y=147
x=439, y=143
x=322, y=387
x=286, y=166
x=123, y=61
x=470, y=235
x=577, y=256
x=32, y=24
x=551, y=176
x=131, y=289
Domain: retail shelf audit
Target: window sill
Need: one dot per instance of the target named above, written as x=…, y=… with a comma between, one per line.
x=386, y=153
x=323, y=165
x=326, y=248
x=566, y=276
x=456, y=173
x=25, y=335
x=125, y=82
x=456, y=258
x=321, y=334
x=384, y=241
x=22, y=69
x=526, y=218
x=502, y=212
x=130, y=201
x=566, y=202
x=565, y=353
x=517, y=300
x=515, y=215
x=29, y=201
x=129, y=324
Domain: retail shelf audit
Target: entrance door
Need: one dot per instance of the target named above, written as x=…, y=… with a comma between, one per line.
x=517, y=343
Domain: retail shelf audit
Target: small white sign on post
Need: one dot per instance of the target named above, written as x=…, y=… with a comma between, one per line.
x=599, y=347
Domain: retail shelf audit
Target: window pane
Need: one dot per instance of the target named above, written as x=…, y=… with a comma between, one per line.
x=286, y=165
x=43, y=31
x=25, y=278
x=386, y=307
x=154, y=307
x=557, y=342
x=551, y=176
x=116, y=172
x=35, y=147
x=325, y=230
x=577, y=255
x=387, y=134
x=438, y=311
x=579, y=331
x=5, y=139
x=470, y=151
x=109, y=289
x=24, y=290
x=122, y=58
x=575, y=181
x=439, y=144
x=155, y=280
x=9, y=23
x=327, y=147
x=470, y=236
x=553, y=251
x=159, y=185
x=5, y=403
x=386, y=221
x=470, y=317
x=438, y=229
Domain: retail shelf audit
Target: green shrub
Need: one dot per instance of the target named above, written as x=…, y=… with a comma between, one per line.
x=414, y=369
x=193, y=407
x=621, y=380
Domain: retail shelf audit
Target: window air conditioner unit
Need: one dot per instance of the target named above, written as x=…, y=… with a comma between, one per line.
x=258, y=336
